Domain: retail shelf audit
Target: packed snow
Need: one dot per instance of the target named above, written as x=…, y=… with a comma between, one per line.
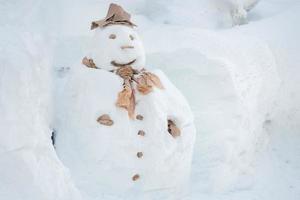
x=103, y=158
x=236, y=62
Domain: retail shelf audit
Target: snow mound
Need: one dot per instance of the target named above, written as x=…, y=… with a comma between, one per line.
x=227, y=84
x=29, y=167
x=227, y=76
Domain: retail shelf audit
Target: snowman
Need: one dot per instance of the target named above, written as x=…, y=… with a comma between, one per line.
x=124, y=130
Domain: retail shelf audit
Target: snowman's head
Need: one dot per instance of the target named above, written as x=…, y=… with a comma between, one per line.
x=117, y=44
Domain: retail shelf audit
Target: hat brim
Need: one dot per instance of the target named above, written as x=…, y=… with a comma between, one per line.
x=106, y=22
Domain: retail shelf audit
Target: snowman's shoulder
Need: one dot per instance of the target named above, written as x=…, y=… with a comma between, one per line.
x=81, y=72
x=162, y=76
x=166, y=82
x=170, y=89
x=89, y=79
x=158, y=72
x=92, y=71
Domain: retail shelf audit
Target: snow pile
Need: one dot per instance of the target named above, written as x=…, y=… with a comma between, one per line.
x=231, y=78
x=29, y=166
x=234, y=77
x=212, y=14
x=234, y=74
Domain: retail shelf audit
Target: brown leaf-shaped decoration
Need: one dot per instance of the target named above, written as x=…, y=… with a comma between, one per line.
x=173, y=129
x=139, y=117
x=143, y=85
x=155, y=80
x=126, y=99
x=131, y=108
x=148, y=80
x=105, y=120
x=141, y=133
x=135, y=177
x=125, y=72
x=89, y=63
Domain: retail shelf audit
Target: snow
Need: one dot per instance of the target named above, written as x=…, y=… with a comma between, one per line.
x=29, y=167
x=103, y=159
x=242, y=83
x=103, y=50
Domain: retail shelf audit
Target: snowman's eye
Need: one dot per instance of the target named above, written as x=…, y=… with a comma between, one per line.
x=131, y=37
x=112, y=36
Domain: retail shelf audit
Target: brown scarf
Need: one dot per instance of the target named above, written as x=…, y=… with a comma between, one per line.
x=145, y=82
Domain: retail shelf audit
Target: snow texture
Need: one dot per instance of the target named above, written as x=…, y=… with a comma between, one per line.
x=29, y=166
x=103, y=159
x=242, y=83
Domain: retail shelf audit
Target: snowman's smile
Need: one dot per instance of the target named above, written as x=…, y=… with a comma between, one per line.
x=117, y=64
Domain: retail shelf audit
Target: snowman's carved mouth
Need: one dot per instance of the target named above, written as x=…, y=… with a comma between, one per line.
x=116, y=64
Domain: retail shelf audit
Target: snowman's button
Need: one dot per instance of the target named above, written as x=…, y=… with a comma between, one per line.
x=139, y=154
x=139, y=117
x=173, y=129
x=105, y=120
x=141, y=133
x=135, y=177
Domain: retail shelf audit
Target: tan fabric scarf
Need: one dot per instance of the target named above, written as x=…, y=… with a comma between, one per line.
x=145, y=82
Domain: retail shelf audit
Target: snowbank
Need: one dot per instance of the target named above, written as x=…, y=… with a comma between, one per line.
x=29, y=167
x=230, y=82
x=230, y=78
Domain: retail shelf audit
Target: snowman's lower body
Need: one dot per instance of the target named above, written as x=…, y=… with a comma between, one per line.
x=110, y=185
x=161, y=176
x=117, y=160
x=105, y=160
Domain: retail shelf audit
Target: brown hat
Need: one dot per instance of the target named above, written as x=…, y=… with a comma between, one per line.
x=115, y=15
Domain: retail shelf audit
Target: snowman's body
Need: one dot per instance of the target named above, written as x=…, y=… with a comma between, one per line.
x=104, y=159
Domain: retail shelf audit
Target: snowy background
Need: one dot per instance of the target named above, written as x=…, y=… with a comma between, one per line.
x=237, y=66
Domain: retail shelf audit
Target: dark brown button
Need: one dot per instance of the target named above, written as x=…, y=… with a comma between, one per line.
x=141, y=133
x=135, y=177
x=173, y=129
x=139, y=117
x=105, y=120
x=139, y=154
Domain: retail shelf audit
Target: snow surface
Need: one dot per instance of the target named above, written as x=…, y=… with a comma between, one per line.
x=103, y=49
x=242, y=83
x=102, y=160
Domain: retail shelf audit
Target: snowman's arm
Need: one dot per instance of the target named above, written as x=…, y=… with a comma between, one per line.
x=178, y=109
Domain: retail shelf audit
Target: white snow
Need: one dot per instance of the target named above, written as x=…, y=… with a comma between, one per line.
x=104, y=50
x=103, y=159
x=242, y=83
x=29, y=167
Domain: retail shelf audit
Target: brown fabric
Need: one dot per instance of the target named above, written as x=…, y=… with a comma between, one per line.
x=141, y=133
x=105, y=120
x=145, y=82
x=115, y=15
x=89, y=63
x=155, y=80
x=126, y=98
x=173, y=129
x=135, y=177
x=139, y=117
x=125, y=72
